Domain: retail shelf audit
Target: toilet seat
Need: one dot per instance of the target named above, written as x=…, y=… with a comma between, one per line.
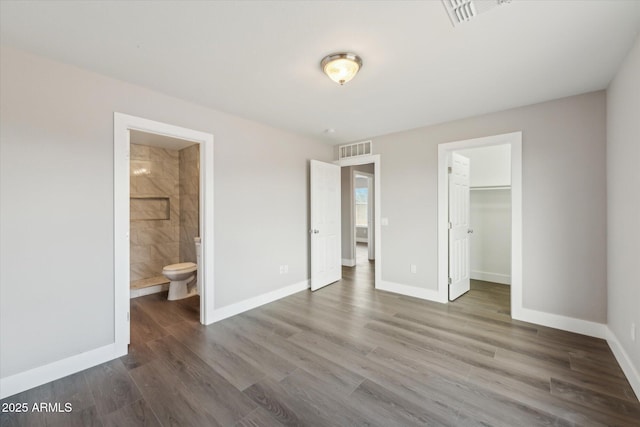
x=183, y=267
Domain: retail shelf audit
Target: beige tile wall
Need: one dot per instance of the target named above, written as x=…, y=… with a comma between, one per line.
x=189, y=201
x=154, y=243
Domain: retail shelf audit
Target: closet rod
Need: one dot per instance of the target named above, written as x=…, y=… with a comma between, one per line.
x=491, y=187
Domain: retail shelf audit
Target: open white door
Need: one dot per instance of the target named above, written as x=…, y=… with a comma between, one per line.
x=326, y=243
x=459, y=201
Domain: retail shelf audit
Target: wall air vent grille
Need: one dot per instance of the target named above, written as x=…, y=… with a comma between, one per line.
x=461, y=11
x=356, y=149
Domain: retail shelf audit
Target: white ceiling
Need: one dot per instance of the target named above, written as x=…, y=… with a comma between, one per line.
x=260, y=60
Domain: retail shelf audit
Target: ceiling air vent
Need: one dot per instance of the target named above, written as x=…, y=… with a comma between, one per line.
x=461, y=11
x=356, y=149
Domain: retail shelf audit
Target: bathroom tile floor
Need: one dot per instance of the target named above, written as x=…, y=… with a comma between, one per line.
x=345, y=355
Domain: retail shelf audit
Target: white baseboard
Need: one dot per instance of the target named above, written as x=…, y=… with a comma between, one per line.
x=348, y=262
x=487, y=276
x=135, y=293
x=248, y=304
x=43, y=374
x=412, y=291
x=630, y=371
x=570, y=324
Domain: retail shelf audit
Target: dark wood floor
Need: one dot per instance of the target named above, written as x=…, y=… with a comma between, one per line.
x=345, y=355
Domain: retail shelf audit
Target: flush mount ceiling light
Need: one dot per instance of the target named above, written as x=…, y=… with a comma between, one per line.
x=461, y=11
x=341, y=67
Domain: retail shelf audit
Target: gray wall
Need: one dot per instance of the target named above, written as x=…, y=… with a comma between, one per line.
x=56, y=204
x=564, y=201
x=623, y=201
x=347, y=207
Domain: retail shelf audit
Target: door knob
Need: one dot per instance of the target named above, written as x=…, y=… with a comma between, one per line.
x=470, y=231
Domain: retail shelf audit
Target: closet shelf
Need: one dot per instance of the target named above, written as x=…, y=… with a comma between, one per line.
x=492, y=187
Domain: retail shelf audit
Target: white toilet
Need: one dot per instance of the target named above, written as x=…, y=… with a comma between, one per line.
x=183, y=277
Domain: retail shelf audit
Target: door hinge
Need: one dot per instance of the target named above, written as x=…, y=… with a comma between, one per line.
x=450, y=225
x=449, y=280
x=127, y=316
x=449, y=170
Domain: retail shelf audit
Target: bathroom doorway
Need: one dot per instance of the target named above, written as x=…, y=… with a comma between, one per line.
x=157, y=217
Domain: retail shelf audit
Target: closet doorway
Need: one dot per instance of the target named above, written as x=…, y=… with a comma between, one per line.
x=489, y=257
x=488, y=229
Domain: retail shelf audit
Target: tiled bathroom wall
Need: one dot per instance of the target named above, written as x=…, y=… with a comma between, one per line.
x=189, y=201
x=155, y=210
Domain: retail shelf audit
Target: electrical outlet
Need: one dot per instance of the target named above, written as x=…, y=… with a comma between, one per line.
x=633, y=331
x=282, y=269
x=413, y=268
x=286, y=269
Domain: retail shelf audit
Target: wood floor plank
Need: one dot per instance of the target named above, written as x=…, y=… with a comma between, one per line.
x=234, y=369
x=145, y=329
x=533, y=397
x=166, y=313
x=338, y=378
x=225, y=402
x=592, y=399
x=451, y=336
x=255, y=354
x=139, y=354
x=586, y=365
x=305, y=386
x=324, y=329
x=392, y=409
x=259, y=417
x=277, y=327
x=136, y=414
x=528, y=345
x=171, y=401
x=288, y=409
x=613, y=386
x=85, y=417
x=111, y=386
x=416, y=386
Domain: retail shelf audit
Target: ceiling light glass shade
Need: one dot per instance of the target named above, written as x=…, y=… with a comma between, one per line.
x=341, y=67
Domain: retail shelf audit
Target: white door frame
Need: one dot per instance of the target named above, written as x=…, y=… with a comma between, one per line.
x=122, y=124
x=363, y=160
x=370, y=209
x=515, y=140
